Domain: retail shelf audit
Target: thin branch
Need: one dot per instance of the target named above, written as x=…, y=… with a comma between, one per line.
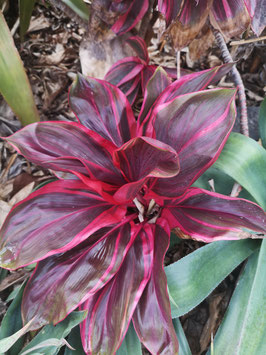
x=178, y=65
x=237, y=80
x=246, y=41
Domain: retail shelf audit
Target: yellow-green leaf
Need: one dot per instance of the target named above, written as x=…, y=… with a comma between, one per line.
x=14, y=83
x=25, y=11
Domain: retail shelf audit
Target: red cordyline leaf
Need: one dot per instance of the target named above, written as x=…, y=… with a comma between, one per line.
x=135, y=10
x=209, y=216
x=100, y=237
x=111, y=309
x=153, y=313
x=52, y=220
x=197, y=126
x=102, y=108
x=132, y=74
x=75, y=275
x=257, y=10
x=230, y=16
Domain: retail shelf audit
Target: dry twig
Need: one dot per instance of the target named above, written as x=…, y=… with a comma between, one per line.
x=237, y=80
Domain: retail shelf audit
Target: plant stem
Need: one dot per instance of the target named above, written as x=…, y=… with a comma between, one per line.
x=178, y=65
x=237, y=80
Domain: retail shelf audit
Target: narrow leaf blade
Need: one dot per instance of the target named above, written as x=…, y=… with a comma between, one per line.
x=191, y=279
x=184, y=348
x=14, y=84
x=243, y=329
x=12, y=322
x=131, y=344
x=80, y=8
x=59, y=331
x=240, y=158
x=25, y=12
x=7, y=343
x=262, y=122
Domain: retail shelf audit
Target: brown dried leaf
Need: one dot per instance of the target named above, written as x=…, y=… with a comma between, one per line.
x=13, y=278
x=38, y=23
x=57, y=56
x=4, y=210
x=22, y=194
x=192, y=19
x=200, y=46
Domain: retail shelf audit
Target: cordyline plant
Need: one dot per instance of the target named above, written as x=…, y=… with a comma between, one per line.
x=131, y=74
x=101, y=235
x=187, y=18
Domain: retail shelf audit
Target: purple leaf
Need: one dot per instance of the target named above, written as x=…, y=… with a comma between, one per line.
x=124, y=70
x=194, y=82
x=146, y=157
x=208, y=216
x=155, y=86
x=103, y=108
x=110, y=310
x=152, y=317
x=197, y=126
x=131, y=90
x=146, y=75
x=125, y=74
x=170, y=8
x=62, y=282
x=230, y=17
x=135, y=12
x=67, y=146
x=141, y=158
x=139, y=46
x=257, y=10
x=53, y=220
x=186, y=84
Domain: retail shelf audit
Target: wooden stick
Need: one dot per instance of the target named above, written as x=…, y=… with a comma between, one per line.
x=246, y=41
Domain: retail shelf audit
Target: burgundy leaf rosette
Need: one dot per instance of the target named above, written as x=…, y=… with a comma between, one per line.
x=100, y=236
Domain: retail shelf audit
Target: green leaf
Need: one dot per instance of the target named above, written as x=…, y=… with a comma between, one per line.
x=13, y=294
x=61, y=330
x=7, y=343
x=14, y=84
x=25, y=12
x=131, y=344
x=174, y=240
x=184, y=348
x=44, y=183
x=222, y=183
x=80, y=8
x=192, y=278
x=74, y=340
x=3, y=273
x=58, y=343
x=12, y=322
x=243, y=330
x=262, y=122
x=244, y=160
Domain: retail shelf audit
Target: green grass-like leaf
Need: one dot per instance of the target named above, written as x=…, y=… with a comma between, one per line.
x=243, y=330
x=194, y=277
x=14, y=83
x=25, y=12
